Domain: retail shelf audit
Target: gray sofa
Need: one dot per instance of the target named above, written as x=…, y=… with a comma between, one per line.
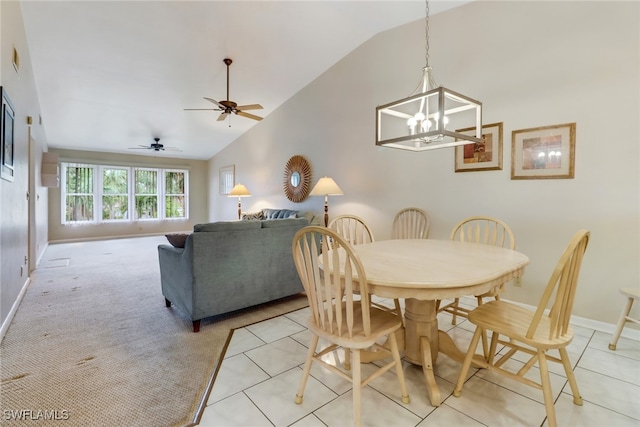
x=227, y=266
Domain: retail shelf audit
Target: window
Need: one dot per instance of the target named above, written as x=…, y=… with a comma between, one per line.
x=175, y=206
x=77, y=194
x=154, y=194
x=115, y=194
x=146, y=197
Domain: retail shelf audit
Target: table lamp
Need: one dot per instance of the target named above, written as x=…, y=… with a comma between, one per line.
x=326, y=187
x=240, y=191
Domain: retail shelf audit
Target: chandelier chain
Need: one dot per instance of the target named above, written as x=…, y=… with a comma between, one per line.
x=429, y=82
x=426, y=34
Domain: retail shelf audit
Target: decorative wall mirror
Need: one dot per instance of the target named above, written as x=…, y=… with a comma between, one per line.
x=297, y=179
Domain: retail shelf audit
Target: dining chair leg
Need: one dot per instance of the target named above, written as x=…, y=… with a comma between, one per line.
x=307, y=369
x=493, y=347
x=347, y=359
x=621, y=321
x=467, y=362
x=485, y=346
x=357, y=388
x=564, y=356
x=395, y=352
x=546, y=389
x=456, y=303
x=485, y=341
x=396, y=302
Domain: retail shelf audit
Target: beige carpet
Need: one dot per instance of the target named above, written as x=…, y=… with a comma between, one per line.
x=94, y=344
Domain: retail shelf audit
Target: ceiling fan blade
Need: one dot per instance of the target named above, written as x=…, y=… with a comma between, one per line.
x=139, y=148
x=201, y=109
x=172, y=149
x=249, y=107
x=249, y=116
x=222, y=116
x=215, y=102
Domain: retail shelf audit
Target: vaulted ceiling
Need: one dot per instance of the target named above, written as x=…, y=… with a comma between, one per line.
x=112, y=75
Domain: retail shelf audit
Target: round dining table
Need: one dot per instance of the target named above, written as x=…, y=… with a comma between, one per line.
x=422, y=271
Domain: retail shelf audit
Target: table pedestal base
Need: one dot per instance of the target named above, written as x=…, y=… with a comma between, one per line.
x=422, y=343
x=420, y=321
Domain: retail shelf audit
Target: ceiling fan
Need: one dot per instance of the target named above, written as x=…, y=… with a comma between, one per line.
x=227, y=107
x=156, y=146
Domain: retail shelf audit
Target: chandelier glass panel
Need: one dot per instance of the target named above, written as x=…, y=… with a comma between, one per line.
x=430, y=119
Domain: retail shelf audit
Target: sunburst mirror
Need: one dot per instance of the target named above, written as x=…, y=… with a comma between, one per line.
x=297, y=179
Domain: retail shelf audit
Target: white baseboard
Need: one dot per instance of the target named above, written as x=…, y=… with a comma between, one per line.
x=14, y=309
x=46, y=245
x=123, y=236
x=607, y=328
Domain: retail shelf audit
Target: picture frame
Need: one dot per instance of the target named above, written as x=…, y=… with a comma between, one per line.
x=227, y=176
x=7, y=135
x=481, y=156
x=546, y=152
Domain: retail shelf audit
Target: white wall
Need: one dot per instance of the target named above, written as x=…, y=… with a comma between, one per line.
x=14, y=209
x=531, y=64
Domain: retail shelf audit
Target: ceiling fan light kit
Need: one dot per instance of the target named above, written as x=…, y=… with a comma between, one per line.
x=229, y=107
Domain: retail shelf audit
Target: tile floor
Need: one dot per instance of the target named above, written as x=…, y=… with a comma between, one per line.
x=259, y=378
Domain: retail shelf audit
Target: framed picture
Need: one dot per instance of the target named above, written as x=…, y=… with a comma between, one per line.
x=546, y=152
x=227, y=179
x=481, y=156
x=7, y=125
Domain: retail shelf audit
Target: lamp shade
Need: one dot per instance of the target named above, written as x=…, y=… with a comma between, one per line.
x=326, y=187
x=239, y=190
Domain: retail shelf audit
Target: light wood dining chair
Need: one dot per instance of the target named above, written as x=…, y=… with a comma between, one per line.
x=411, y=223
x=485, y=230
x=356, y=232
x=631, y=294
x=336, y=316
x=352, y=228
x=533, y=332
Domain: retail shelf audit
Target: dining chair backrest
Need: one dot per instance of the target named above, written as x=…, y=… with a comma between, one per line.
x=563, y=284
x=411, y=223
x=486, y=230
x=352, y=228
x=331, y=289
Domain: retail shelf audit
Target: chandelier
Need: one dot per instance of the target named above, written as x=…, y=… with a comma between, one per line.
x=428, y=120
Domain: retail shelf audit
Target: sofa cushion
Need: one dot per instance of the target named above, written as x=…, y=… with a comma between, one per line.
x=252, y=216
x=226, y=225
x=177, y=240
x=311, y=217
x=285, y=222
x=279, y=213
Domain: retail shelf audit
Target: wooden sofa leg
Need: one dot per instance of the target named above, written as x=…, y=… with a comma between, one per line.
x=196, y=326
x=167, y=302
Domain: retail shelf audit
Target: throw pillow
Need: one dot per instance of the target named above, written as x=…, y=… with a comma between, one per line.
x=252, y=216
x=177, y=240
x=279, y=213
